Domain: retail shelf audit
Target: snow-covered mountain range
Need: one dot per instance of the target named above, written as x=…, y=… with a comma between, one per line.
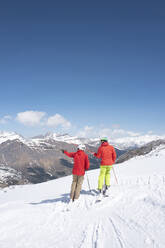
x=120, y=143
x=133, y=216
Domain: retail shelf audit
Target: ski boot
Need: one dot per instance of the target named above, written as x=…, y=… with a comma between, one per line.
x=106, y=190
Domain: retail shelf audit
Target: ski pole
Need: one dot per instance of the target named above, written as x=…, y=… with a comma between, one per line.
x=115, y=175
x=88, y=182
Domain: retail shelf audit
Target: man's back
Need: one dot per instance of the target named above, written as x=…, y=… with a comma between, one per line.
x=107, y=154
x=81, y=162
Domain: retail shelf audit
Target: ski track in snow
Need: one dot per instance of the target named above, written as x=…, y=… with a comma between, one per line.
x=41, y=216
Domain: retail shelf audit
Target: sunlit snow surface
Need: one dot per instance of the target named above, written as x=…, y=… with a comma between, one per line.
x=40, y=216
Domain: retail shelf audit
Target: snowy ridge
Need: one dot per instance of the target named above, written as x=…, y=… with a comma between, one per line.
x=158, y=151
x=37, y=142
x=64, y=138
x=47, y=139
x=120, y=143
x=136, y=141
x=133, y=216
x=7, y=172
x=4, y=136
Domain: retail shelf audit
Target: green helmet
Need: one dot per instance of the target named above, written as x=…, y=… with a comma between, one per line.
x=104, y=139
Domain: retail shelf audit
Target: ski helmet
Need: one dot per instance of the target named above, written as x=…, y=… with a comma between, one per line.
x=104, y=139
x=81, y=147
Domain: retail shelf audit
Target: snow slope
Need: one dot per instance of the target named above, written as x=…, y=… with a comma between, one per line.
x=133, y=216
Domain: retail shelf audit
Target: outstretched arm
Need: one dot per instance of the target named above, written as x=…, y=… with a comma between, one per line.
x=98, y=154
x=69, y=154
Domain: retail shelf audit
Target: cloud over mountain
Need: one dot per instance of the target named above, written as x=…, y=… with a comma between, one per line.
x=58, y=120
x=36, y=118
x=30, y=118
x=5, y=119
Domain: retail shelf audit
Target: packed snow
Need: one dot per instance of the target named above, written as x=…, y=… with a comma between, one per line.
x=133, y=216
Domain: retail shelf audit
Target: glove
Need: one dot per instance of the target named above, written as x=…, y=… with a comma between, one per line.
x=62, y=150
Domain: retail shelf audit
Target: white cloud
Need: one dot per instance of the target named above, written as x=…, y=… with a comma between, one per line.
x=132, y=134
x=123, y=133
x=5, y=119
x=94, y=132
x=30, y=118
x=34, y=118
x=87, y=131
x=58, y=120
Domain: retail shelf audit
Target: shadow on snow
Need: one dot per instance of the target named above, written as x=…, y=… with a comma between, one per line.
x=65, y=198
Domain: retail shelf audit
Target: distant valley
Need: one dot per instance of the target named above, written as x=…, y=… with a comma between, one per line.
x=40, y=159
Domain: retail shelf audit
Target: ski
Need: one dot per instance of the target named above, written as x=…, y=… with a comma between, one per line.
x=102, y=194
x=99, y=198
x=106, y=191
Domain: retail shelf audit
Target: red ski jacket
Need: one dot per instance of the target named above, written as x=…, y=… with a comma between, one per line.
x=81, y=162
x=107, y=154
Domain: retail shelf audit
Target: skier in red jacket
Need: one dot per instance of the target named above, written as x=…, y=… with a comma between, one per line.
x=108, y=156
x=81, y=163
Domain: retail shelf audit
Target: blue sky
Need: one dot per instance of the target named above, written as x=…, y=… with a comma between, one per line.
x=66, y=65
